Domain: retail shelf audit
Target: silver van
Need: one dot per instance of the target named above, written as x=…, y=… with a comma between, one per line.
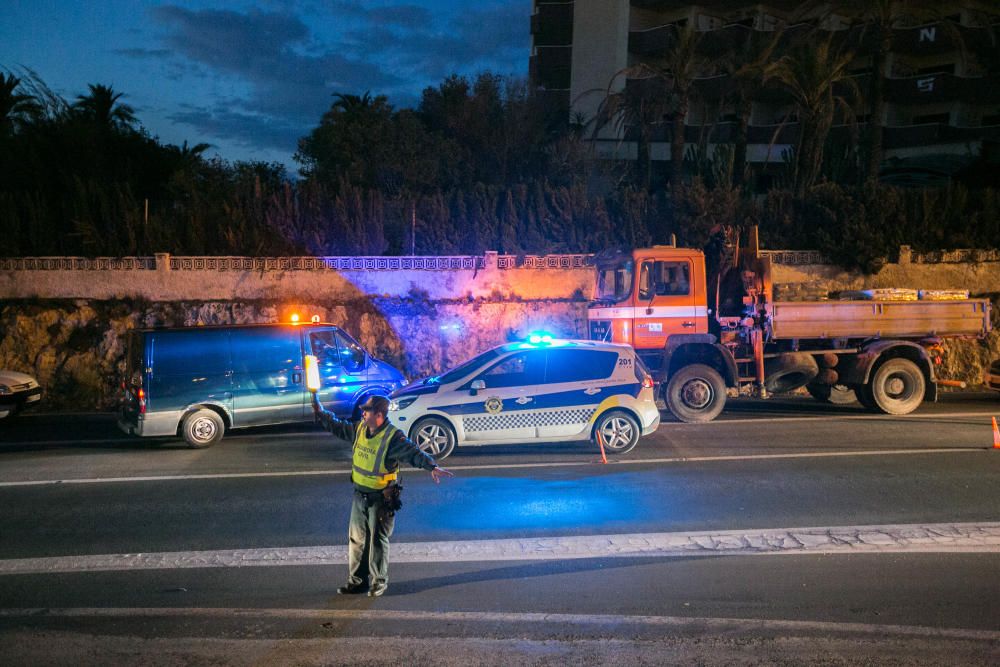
x=197, y=382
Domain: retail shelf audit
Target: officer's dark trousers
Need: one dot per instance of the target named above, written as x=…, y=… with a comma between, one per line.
x=368, y=540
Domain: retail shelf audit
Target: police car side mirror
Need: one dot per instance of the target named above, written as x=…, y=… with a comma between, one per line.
x=477, y=386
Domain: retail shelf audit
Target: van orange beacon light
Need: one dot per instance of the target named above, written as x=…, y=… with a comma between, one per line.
x=314, y=319
x=312, y=373
x=295, y=318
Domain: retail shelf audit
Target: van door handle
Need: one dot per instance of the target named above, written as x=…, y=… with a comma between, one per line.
x=687, y=324
x=296, y=378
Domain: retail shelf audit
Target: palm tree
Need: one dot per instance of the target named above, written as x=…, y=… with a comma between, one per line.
x=745, y=63
x=877, y=19
x=809, y=74
x=636, y=109
x=102, y=107
x=679, y=68
x=16, y=108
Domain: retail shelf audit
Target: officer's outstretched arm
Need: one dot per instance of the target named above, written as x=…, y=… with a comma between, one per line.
x=437, y=472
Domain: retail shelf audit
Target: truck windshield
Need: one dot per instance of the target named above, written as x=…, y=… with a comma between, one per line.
x=614, y=281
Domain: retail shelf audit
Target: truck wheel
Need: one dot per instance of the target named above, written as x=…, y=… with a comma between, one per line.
x=202, y=428
x=864, y=394
x=897, y=387
x=837, y=394
x=695, y=393
x=789, y=371
x=619, y=430
x=434, y=436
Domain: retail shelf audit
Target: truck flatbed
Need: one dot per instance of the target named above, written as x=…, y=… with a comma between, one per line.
x=878, y=319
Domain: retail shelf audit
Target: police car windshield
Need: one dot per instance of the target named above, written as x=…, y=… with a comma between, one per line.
x=469, y=366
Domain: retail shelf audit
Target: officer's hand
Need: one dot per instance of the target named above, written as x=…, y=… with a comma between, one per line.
x=438, y=472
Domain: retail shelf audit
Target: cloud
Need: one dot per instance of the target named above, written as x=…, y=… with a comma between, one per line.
x=288, y=57
x=241, y=128
x=289, y=87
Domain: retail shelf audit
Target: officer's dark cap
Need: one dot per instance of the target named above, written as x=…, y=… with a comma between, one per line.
x=377, y=404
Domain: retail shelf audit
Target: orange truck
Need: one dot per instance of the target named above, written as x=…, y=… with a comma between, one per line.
x=704, y=336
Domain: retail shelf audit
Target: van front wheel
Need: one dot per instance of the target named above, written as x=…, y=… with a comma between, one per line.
x=202, y=428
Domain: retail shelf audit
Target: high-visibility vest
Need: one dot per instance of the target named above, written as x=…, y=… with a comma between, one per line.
x=369, y=458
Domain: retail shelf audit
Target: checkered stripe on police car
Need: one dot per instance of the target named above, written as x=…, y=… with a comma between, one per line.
x=527, y=420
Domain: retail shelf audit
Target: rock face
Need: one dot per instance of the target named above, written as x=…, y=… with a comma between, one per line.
x=76, y=348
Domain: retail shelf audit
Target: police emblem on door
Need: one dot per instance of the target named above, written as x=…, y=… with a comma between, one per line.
x=494, y=405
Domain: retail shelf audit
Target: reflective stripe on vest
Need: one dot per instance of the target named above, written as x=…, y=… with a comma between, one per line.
x=369, y=458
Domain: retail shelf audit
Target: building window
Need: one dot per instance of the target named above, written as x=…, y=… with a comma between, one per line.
x=931, y=118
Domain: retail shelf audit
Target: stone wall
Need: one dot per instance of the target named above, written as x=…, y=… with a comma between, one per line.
x=64, y=319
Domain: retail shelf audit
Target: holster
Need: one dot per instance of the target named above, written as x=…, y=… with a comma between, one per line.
x=392, y=500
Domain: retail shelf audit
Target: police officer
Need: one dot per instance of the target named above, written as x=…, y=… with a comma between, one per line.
x=379, y=448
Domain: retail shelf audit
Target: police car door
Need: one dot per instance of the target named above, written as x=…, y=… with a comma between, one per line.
x=506, y=410
x=576, y=381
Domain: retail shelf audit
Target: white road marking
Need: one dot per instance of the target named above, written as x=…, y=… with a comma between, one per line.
x=679, y=623
x=503, y=466
x=836, y=540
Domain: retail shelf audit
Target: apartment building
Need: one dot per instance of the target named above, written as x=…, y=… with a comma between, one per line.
x=941, y=82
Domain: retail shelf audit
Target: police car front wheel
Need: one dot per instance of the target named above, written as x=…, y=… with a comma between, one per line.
x=434, y=436
x=619, y=430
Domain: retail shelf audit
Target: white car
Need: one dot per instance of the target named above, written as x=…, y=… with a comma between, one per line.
x=545, y=390
x=17, y=391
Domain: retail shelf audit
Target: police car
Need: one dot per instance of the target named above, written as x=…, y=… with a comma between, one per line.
x=543, y=389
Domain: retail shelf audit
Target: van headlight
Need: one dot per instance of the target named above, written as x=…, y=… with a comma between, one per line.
x=4, y=390
x=402, y=403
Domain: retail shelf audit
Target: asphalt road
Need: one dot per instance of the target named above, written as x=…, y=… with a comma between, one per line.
x=787, y=532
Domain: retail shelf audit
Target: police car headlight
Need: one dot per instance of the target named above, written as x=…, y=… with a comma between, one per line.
x=402, y=403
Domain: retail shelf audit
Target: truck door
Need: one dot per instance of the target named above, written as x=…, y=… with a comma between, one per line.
x=665, y=302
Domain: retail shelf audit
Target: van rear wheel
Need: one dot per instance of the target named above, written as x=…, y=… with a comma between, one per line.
x=202, y=428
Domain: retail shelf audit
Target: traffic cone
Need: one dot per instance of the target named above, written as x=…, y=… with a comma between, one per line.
x=604, y=458
x=996, y=434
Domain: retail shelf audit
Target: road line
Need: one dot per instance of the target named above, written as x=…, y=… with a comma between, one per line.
x=828, y=418
x=680, y=623
x=836, y=540
x=505, y=466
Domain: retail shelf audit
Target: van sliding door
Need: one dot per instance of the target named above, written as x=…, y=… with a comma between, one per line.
x=269, y=379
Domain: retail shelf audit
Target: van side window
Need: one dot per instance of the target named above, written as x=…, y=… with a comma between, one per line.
x=579, y=365
x=515, y=371
x=352, y=355
x=324, y=347
x=264, y=350
x=190, y=352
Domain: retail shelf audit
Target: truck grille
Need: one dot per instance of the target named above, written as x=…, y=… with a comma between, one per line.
x=599, y=329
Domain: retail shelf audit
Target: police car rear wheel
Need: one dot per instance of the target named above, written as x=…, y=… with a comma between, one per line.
x=434, y=436
x=619, y=431
x=202, y=428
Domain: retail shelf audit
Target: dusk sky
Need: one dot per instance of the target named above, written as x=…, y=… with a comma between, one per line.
x=250, y=78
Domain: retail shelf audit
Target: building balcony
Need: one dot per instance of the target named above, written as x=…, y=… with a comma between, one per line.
x=550, y=68
x=552, y=24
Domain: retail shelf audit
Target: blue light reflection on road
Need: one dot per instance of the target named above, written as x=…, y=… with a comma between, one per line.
x=540, y=506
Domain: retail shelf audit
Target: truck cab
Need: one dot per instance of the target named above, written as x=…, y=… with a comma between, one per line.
x=645, y=297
